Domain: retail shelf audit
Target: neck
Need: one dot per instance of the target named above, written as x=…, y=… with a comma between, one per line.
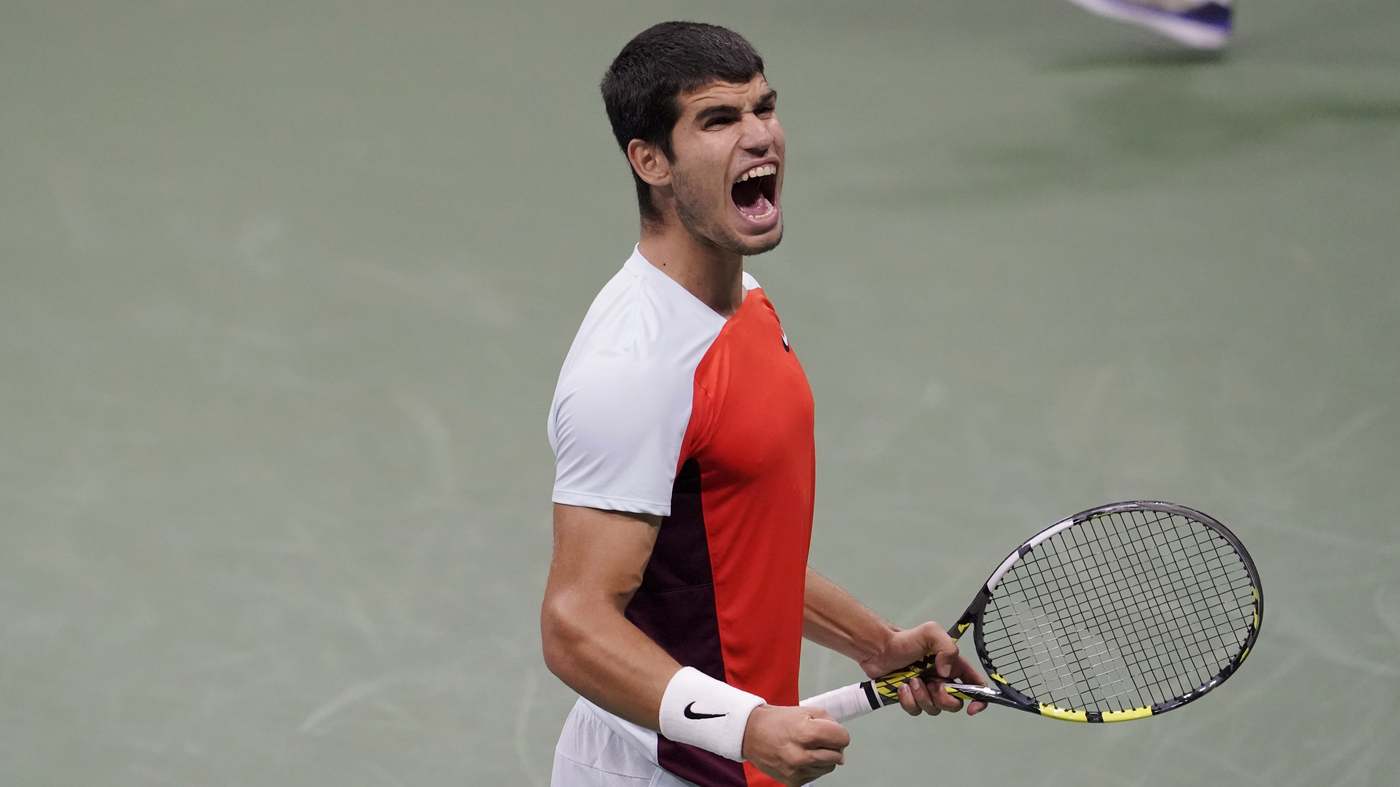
x=713, y=275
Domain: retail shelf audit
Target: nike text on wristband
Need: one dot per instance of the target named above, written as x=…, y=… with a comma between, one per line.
x=704, y=712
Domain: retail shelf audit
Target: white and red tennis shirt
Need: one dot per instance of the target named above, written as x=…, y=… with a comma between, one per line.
x=665, y=407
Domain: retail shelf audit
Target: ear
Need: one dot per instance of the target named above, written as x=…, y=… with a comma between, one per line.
x=650, y=164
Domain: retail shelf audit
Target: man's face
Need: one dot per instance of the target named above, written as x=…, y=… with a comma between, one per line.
x=727, y=176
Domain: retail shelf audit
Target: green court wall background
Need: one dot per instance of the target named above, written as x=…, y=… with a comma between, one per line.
x=284, y=289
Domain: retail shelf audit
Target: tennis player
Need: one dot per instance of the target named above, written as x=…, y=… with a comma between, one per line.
x=679, y=590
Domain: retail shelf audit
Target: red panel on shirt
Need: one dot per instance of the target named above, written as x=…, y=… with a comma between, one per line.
x=750, y=432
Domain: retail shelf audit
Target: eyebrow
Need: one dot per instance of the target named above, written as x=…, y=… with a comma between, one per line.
x=730, y=109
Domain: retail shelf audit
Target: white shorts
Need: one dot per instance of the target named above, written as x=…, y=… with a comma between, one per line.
x=592, y=754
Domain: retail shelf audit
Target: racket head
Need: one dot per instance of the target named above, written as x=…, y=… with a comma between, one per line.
x=1117, y=613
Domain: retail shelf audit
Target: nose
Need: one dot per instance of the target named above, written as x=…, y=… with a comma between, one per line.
x=757, y=137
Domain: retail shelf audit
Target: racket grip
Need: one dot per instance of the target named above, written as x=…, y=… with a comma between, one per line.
x=845, y=703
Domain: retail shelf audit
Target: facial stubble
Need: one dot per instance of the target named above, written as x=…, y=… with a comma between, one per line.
x=708, y=227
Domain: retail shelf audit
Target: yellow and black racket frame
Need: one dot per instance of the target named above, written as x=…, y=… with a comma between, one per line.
x=884, y=690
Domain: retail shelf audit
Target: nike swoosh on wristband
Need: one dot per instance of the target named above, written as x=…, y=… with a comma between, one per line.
x=690, y=714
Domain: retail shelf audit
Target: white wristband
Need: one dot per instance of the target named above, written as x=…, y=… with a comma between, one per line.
x=704, y=712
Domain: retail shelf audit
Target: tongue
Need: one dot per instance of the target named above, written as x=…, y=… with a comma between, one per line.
x=748, y=198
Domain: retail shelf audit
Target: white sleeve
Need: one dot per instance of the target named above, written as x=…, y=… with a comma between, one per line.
x=617, y=431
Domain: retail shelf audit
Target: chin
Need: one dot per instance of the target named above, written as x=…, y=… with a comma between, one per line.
x=748, y=239
x=768, y=241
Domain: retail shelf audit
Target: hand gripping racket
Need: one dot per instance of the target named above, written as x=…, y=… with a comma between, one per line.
x=1120, y=612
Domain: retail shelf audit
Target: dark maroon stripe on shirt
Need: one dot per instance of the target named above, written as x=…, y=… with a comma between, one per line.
x=675, y=606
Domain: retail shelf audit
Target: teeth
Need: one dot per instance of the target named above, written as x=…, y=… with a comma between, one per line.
x=758, y=172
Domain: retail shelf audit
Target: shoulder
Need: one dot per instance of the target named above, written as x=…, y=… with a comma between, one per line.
x=643, y=329
x=624, y=396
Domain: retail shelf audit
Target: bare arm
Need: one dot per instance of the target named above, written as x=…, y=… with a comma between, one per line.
x=834, y=619
x=599, y=557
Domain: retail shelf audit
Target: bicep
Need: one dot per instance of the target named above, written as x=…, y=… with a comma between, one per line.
x=599, y=559
x=599, y=555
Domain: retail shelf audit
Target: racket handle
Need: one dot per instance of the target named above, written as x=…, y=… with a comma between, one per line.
x=845, y=703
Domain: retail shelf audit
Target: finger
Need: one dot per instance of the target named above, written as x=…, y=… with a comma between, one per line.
x=825, y=734
x=945, y=663
x=906, y=699
x=935, y=639
x=949, y=663
x=962, y=671
x=829, y=757
x=943, y=699
x=819, y=764
x=948, y=702
x=965, y=672
x=810, y=773
x=925, y=697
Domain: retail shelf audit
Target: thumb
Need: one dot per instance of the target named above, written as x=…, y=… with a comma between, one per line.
x=933, y=639
x=828, y=733
x=945, y=661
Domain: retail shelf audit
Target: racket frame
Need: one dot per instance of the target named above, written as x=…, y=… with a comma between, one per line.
x=884, y=690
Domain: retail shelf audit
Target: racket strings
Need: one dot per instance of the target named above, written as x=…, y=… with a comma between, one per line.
x=1151, y=591
x=1121, y=611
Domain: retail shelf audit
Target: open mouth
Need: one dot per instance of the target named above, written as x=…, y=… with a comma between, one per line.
x=755, y=193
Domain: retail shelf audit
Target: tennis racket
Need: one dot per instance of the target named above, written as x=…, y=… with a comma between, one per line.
x=1117, y=613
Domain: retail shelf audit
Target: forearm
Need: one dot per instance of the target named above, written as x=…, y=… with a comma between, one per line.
x=599, y=561
x=834, y=619
x=597, y=652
